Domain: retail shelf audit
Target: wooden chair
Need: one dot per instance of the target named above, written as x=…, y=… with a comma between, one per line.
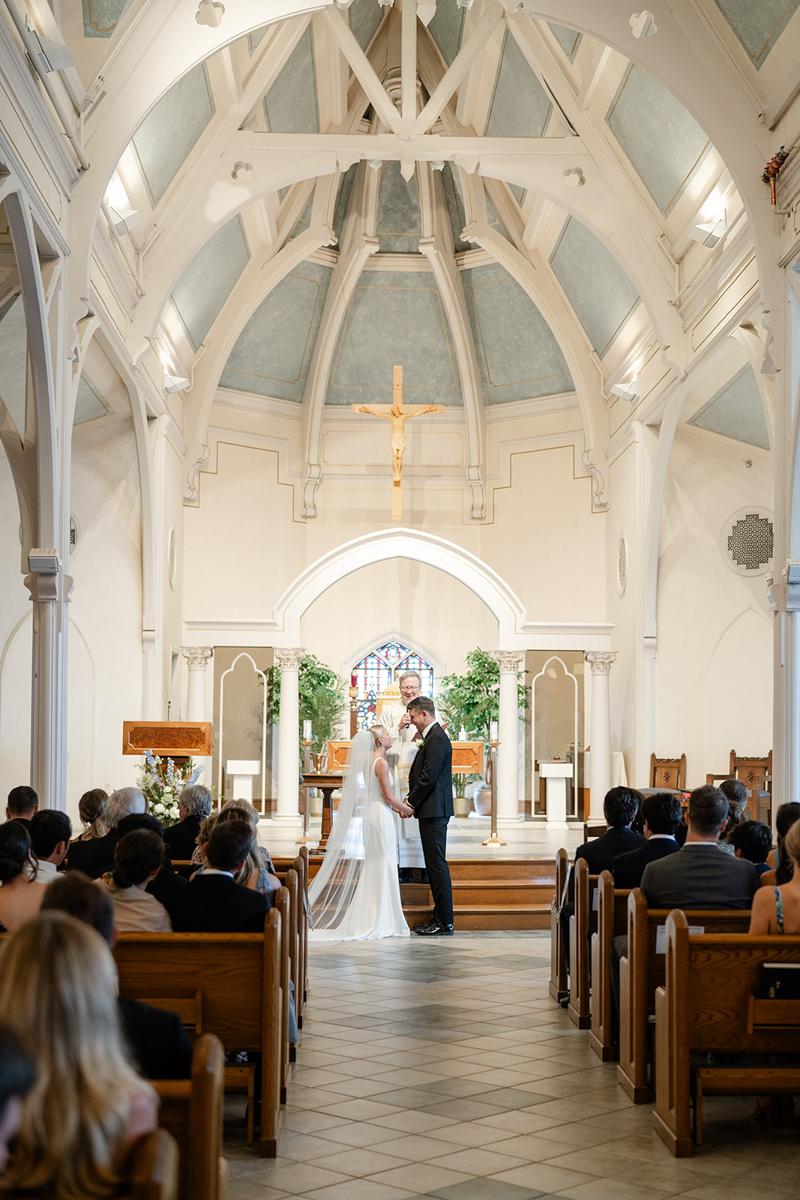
x=708, y=1003
x=668, y=773
x=228, y=984
x=559, y=988
x=579, y=994
x=642, y=971
x=594, y=830
x=612, y=917
x=191, y=1110
x=756, y=775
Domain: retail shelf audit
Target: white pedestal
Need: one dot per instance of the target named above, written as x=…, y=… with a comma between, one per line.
x=556, y=774
x=243, y=771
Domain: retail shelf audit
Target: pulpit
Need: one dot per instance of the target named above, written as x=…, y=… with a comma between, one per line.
x=178, y=740
x=556, y=775
x=242, y=771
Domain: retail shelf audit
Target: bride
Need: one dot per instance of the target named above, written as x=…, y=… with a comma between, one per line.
x=356, y=894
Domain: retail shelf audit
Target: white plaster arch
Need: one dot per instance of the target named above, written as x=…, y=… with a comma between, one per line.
x=401, y=543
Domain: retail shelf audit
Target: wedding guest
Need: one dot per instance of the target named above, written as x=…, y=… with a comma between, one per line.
x=780, y=863
x=20, y=895
x=194, y=805
x=736, y=794
x=752, y=840
x=17, y=1075
x=91, y=807
x=58, y=994
x=213, y=902
x=22, y=804
x=777, y=909
x=96, y=856
x=167, y=879
x=137, y=860
x=50, y=831
x=258, y=872
x=160, y=1045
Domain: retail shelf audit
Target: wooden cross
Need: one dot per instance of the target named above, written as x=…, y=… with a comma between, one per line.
x=397, y=413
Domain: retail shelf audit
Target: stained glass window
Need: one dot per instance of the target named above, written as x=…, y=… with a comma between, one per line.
x=380, y=668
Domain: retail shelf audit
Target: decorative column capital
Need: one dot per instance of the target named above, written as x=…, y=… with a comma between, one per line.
x=509, y=661
x=197, y=657
x=289, y=659
x=600, y=660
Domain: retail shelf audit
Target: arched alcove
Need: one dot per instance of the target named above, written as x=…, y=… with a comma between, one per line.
x=738, y=679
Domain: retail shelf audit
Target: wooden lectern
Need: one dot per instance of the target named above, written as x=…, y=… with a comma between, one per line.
x=178, y=740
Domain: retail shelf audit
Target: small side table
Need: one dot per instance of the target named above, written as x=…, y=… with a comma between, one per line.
x=327, y=784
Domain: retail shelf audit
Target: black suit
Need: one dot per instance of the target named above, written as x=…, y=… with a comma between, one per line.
x=181, y=839
x=216, y=904
x=95, y=856
x=160, y=1045
x=629, y=868
x=430, y=794
x=599, y=854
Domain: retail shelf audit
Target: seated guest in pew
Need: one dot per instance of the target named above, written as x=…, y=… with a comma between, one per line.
x=777, y=909
x=137, y=861
x=50, y=831
x=194, y=805
x=167, y=880
x=17, y=1076
x=91, y=807
x=258, y=871
x=661, y=816
x=213, y=902
x=752, y=840
x=780, y=864
x=20, y=896
x=87, y=1106
x=22, y=804
x=96, y=856
x=160, y=1044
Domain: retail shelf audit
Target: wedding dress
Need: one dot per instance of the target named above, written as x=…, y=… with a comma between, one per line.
x=356, y=893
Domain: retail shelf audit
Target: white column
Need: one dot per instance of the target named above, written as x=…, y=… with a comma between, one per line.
x=197, y=659
x=288, y=661
x=600, y=662
x=509, y=662
x=49, y=594
x=784, y=595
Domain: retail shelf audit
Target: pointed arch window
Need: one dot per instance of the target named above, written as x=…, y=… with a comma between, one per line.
x=373, y=674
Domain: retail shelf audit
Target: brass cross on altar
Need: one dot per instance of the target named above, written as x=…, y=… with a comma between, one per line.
x=398, y=414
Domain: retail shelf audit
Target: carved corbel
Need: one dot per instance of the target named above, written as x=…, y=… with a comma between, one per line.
x=312, y=480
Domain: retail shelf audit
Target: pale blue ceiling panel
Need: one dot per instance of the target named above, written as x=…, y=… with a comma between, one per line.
x=395, y=318
x=305, y=221
x=273, y=352
x=398, y=223
x=90, y=403
x=736, y=411
x=203, y=288
x=597, y=287
x=567, y=39
x=519, y=106
x=255, y=39
x=662, y=140
x=164, y=139
x=451, y=181
x=493, y=219
x=100, y=17
x=342, y=201
x=291, y=104
x=364, y=17
x=13, y=359
x=518, y=355
x=758, y=23
x=447, y=28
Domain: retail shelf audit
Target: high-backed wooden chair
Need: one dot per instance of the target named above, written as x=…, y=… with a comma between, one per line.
x=668, y=773
x=756, y=775
x=191, y=1110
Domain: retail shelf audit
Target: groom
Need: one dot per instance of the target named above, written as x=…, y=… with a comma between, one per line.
x=430, y=794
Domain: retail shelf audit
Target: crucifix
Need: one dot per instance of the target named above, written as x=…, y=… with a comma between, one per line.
x=398, y=414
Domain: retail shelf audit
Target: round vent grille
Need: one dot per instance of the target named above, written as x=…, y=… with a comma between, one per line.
x=746, y=541
x=622, y=565
x=172, y=553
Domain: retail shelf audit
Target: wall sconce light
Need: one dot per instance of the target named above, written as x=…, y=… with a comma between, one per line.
x=710, y=233
x=124, y=218
x=44, y=562
x=627, y=391
x=175, y=383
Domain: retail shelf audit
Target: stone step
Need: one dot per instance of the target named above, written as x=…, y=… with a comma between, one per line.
x=486, y=916
x=486, y=891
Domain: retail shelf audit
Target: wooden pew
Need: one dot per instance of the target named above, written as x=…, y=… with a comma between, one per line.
x=559, y=989
x=579, y=994
x=612, y=917
x=282, y=901
x=642, y=971
x=223, y=983
x=291, y=880
x=304, y=925
x=152, y=1168
x=191, y=1110
x=709, y=1003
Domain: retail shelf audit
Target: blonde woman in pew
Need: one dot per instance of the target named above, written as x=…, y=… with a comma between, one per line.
x=356, y=893
x=777, y=909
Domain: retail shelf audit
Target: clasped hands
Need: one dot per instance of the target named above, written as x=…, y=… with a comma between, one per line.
x=404, y=810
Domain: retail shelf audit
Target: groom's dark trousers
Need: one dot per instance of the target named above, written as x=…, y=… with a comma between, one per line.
x=431, y=796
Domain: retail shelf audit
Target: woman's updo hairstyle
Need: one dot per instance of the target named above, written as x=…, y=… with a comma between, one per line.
x=15, y=850
x=377, y=732
x=92, y=805
x=137, y=855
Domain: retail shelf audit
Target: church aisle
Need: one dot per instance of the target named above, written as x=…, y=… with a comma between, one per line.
x=444, y=1069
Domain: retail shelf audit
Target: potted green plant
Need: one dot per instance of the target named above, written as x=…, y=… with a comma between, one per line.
x=320, y=692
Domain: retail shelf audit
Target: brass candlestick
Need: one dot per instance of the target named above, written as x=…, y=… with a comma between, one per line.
x=306, y=839
x=493, y=839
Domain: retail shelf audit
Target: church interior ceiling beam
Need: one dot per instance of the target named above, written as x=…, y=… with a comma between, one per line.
x=457, y=71
x=408, y=62
x=378, y=97
x=533, y=152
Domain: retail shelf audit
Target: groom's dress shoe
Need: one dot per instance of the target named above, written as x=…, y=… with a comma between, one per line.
x=432, y=924
x=434, y=929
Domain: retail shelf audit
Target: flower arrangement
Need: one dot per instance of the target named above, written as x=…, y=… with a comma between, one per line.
x=161, y=782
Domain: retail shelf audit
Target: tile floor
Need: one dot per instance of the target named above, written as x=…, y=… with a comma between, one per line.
x=444, y=1069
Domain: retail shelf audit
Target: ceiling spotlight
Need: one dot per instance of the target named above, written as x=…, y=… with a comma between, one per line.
x=375, y=164
x=437, y=164
x=175, y=383
x=711, y=232
x=124, y=218
x=386, y=3
x=627, y=391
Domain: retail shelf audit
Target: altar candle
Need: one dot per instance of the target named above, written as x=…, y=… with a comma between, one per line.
x=493, y=731
x=306, y=731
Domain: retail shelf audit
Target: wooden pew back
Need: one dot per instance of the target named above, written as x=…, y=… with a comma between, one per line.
x=612, y=918
x=191, y=1110
x=579, y=993
x=642, y=972
x=558, y=959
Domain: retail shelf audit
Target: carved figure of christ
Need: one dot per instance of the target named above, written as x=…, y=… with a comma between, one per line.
x=397, y=413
